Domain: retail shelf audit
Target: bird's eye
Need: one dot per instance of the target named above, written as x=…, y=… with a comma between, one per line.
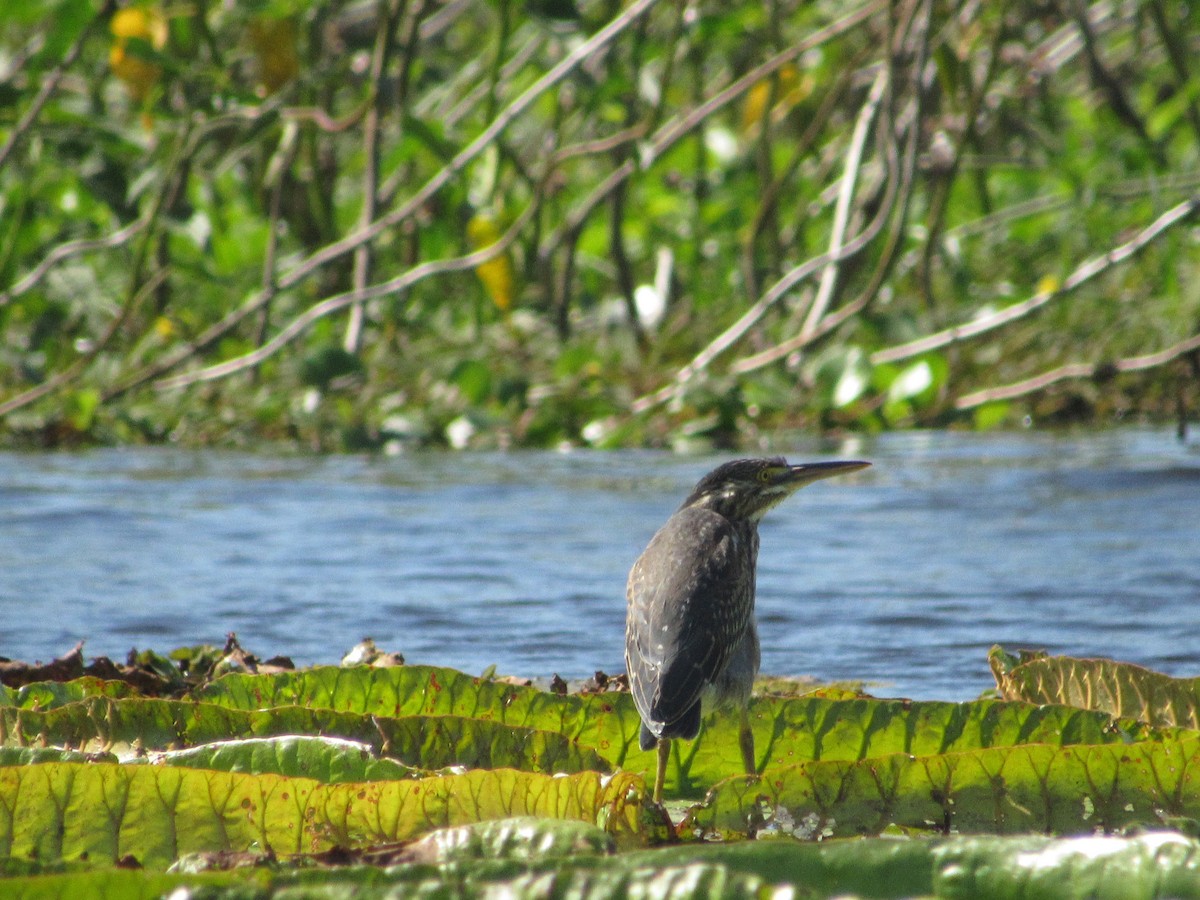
x=765, y=476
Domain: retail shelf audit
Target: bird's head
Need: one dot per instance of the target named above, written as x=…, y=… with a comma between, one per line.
x=747, y=488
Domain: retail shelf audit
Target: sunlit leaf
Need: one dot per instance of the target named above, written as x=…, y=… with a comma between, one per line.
x=138, y=31
x=1000, y=790
x=990, y=415
x=854, y=378
x=1121, y=689
x=42, y=695
x=786, y=731
x=155, y=813
x=427, y=742
x=329, y=760
x=496, y=274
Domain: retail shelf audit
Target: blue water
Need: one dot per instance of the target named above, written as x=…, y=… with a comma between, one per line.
x=901, y=576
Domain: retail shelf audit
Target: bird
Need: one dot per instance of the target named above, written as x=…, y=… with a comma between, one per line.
x=690, y=637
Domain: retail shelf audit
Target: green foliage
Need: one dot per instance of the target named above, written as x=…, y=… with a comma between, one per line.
x=328, y=760
x=1115, y=688
x=785, y=730
x=1002, y=790
x=491, y=787
x=100, y=812
x=428, y=742
x=49, y=694
x=226, y=223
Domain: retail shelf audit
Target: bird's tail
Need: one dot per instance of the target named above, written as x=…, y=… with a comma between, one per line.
x=647, y=740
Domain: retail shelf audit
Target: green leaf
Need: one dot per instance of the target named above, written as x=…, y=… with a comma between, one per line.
x=32, y=756
x=42, y=695
x=156, y=814
x=991, y=415
x=80, y=408
x=786, y=731
x=1160, y=864
x=607, y=722
x=329, y=760
x=1002, y=790
x=474, y=379
x=524, y=838
x=428, y=742
x=1119, y=689
x=327, y=363
x=873, y=867
x=854, y=378
x=919, y=381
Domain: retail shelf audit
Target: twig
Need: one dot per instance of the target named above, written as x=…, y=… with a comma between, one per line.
x=1077, y=370
x=841, y=212
x=671, y=132
x=780, y=288
x=330, y=305
x=903, y=171
x=767, y=208
x=569, y=63
x=69, y=249
x=59, y=379
x=1178, y=53
x=390, y=12
x=1112, y=86
x=332, y=251
x=50, y=84
x=940, y=201
x=1084, y=273
x=273, y=182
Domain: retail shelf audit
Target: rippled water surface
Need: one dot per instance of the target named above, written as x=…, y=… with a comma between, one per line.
x=903, y=575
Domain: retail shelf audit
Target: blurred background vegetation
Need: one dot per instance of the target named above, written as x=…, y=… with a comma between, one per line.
x=347, y=225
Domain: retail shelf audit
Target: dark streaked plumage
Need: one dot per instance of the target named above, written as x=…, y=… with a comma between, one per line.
x=690, y=637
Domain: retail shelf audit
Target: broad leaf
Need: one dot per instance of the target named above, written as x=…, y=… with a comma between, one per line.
x=104, y=812
x=1001, y=790
x=1119, y=689
x=524, y=839
x=427, y=742
x=326, y=759
x=786, y=731
x=49, y=694
x=1160, y=864
x=26, y=756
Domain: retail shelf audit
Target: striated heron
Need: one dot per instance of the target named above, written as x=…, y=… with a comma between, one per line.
x=690, y=639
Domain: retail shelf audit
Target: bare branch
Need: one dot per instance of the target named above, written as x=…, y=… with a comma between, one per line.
x=50, y=84
x=301, y=323
x=485, y=139
x=390, y=13
x=841, y=212
x=70, y=249
x=673, y=131
x=1086, y=272
x=779, y=289
x=1077, y=370
x=65, y=376
x=902, y=171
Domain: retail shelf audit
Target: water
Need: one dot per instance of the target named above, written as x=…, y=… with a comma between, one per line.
x=902, y=576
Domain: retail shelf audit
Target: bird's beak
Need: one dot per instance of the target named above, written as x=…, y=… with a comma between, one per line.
x=796, y=477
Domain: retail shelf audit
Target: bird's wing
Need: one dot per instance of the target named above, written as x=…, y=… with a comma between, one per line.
x=683, y=613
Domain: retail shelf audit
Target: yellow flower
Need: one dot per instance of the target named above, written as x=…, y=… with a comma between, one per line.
x=164, y=328
x=497, y=273
x=791, y=87
x=143, y=23
x=1048, y=284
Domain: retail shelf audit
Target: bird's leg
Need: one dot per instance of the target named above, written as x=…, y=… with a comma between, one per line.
x=664, y=753
x=746, y=740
